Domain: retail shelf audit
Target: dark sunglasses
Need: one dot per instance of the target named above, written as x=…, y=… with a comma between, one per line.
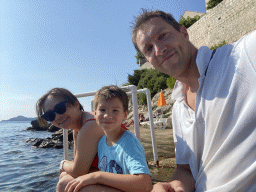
x=59, y=108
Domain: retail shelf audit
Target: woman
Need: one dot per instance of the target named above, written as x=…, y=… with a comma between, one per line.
x=63, y=110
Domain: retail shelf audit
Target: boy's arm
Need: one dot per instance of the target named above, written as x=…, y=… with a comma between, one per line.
x=126, y=182
x=182, y=181
x=86, y=149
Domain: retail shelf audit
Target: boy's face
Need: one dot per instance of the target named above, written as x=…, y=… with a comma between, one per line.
x=110, y=114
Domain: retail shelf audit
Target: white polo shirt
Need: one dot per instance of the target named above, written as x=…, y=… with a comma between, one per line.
x=218, y=140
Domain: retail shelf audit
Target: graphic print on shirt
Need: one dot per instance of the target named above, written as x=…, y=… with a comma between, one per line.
x=112, y=164
x=103, y=164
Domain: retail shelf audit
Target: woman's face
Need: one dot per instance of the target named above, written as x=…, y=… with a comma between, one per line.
x=67, y=119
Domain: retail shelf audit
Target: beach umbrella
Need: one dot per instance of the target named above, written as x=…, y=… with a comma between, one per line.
x=161, y=101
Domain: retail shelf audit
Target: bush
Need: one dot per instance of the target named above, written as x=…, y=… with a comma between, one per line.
x=187, y=22
x=219, y=45
x=170, y=82
x=148, y=78
x=212, y=3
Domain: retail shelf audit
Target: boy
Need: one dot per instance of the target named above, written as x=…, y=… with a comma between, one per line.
x=122, y=160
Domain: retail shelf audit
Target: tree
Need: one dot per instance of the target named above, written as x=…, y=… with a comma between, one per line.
x=187, y=22
x=135, y=78
x=139, y=57
x=212, y=3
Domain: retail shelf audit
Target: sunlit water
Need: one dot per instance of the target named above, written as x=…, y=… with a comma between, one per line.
x=23, y=168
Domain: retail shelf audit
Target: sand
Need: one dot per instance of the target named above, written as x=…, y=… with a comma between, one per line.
x=165, y=149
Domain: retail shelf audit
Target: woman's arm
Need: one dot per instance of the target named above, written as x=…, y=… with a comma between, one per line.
x=86, y=149
x=75, y=133
x=126, y=182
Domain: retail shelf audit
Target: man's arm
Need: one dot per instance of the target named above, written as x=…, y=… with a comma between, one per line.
x=126, y=182
x=86, y=149
x=182, y=180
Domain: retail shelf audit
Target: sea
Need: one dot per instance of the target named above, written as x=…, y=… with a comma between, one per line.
x=23, y=167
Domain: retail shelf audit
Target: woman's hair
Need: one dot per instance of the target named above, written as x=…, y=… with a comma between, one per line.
x=111, y=92
x=60, y=93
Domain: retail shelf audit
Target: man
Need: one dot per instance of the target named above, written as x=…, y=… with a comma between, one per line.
x=214, y=117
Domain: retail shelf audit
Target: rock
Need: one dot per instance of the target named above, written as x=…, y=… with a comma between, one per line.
x=52, y=128
x=45, y=143
x=58, y=135
x=37, y=127
x=55, y=142
x=165, y=111
x=35, y=142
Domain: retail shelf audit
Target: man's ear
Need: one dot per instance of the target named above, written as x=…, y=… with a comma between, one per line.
x=184, y=31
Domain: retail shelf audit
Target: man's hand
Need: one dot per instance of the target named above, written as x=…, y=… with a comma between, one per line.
x=173, y=186
x=82, y=181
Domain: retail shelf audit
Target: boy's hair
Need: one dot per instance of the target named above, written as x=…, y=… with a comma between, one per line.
x=145, y=16
x=108, y=93
x=60, y=93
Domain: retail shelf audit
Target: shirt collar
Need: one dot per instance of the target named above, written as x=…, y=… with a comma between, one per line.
x=177, y=93
x=202, y=61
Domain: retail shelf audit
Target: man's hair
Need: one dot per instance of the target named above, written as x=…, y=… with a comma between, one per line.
x=111, y=92
x=60, y=93
x=145, y=16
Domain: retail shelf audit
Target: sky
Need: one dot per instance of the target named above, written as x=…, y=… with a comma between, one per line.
x=74, y=44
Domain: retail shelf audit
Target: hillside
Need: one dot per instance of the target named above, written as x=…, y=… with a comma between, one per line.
x=20, y=118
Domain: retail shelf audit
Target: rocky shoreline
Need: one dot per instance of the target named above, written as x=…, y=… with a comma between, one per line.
x=57, y=137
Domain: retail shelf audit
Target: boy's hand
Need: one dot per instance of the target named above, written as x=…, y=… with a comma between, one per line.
x=168, y=187
x=82, y=181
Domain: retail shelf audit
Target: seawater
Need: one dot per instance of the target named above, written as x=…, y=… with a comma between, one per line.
x=22, y=167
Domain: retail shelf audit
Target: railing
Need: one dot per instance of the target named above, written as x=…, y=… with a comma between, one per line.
x=133, y=91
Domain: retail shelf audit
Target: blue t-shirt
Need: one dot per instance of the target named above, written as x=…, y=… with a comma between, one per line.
x=126, y=156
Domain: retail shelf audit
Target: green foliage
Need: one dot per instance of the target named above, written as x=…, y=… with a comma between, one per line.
x=212, y=3
x=148, y=78
x=135, y=78
x=170, y=81
x=142, y=98
x=139, y=57
x=187, y=22
x=219, y=45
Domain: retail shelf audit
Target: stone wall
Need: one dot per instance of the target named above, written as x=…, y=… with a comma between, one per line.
x=192, y=14
x=229, y=20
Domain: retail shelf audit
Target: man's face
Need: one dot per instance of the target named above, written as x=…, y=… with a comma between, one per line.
x=167, y=49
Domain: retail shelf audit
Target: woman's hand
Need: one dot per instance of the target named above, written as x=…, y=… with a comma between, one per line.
x=82, y=181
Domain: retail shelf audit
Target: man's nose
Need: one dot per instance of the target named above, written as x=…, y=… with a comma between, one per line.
x=159, y=48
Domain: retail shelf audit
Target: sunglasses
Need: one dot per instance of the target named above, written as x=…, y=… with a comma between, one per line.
x=59, y=108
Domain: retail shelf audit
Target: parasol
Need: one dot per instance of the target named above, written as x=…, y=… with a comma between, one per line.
x=161, y=100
